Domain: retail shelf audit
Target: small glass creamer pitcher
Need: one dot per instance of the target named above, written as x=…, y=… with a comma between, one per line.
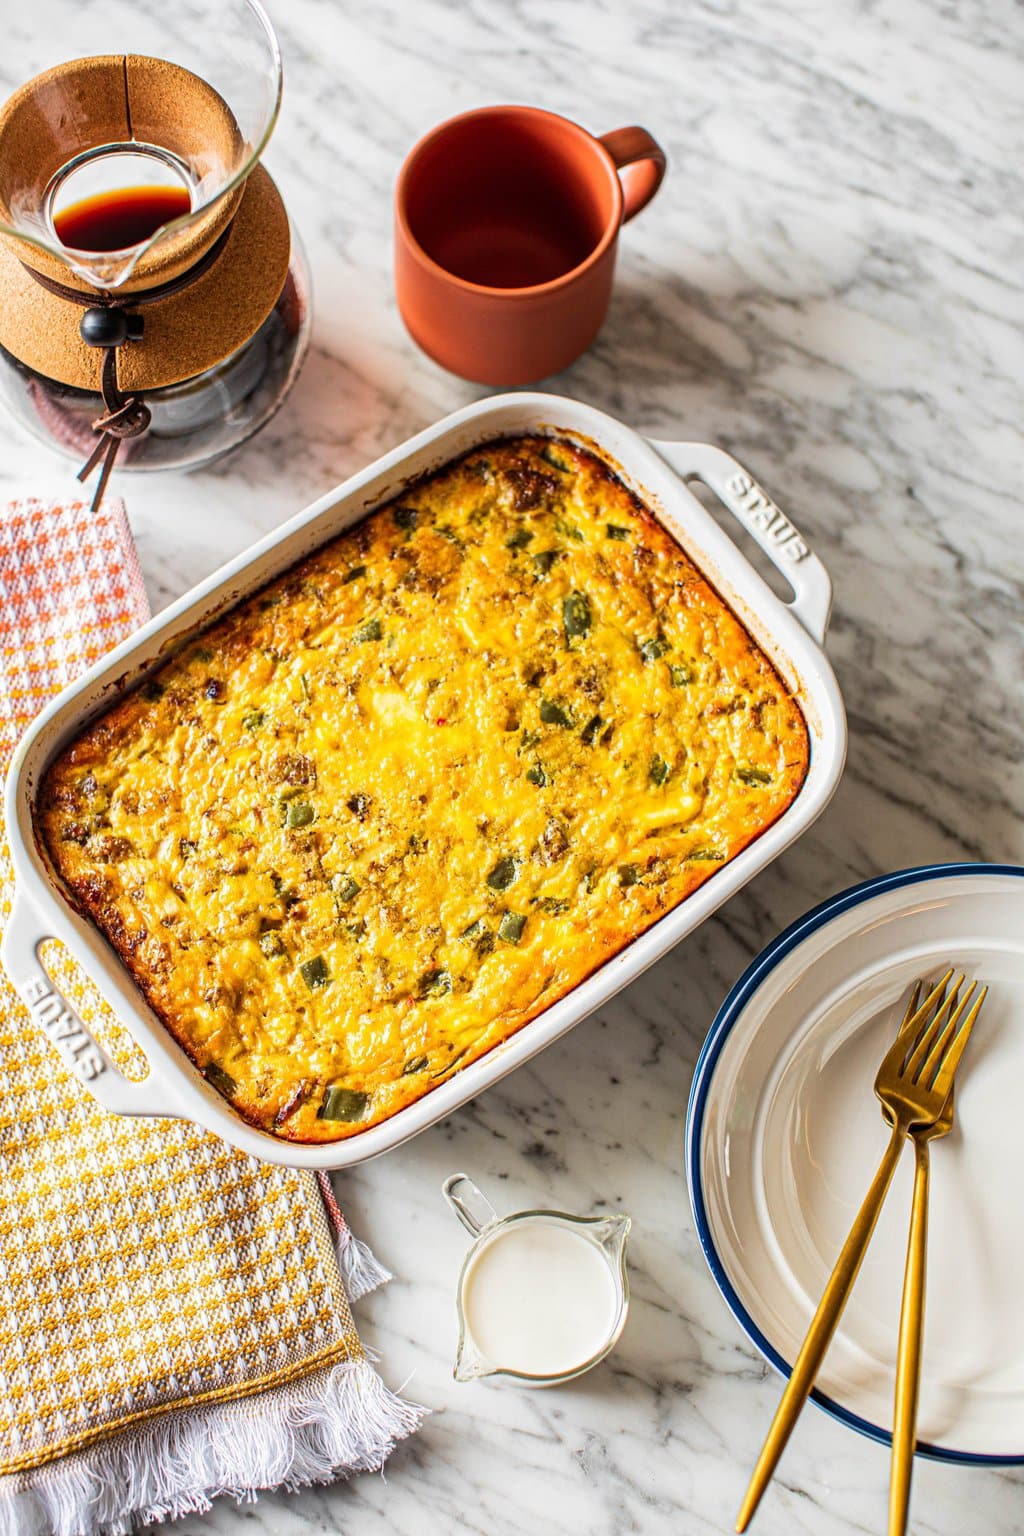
x=542, y=1296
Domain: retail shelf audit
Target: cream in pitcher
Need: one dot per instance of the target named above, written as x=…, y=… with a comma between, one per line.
x=542, y=1296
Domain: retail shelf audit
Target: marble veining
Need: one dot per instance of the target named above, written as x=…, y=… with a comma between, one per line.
x=829, y=286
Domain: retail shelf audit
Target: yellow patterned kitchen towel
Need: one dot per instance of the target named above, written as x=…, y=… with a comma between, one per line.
x=174, y=1322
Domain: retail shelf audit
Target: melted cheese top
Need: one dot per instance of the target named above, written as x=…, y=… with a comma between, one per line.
x=399, y=802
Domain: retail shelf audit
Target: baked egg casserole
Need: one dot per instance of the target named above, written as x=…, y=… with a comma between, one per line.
x=399, y=802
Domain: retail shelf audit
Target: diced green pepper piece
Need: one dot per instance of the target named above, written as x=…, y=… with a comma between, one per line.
x=651, y=649
x=753, y=776
x=659, y=770
x=552, y=904
x=284, y=893
x=479, y=935
x=510, y=929
x=519, y=539
x=614, y=531
x=405, y=517
x=544, y=559
x=270, y=943
x=298, y=813
x=415, y=1064
x=681, y=675
x=451, y=1063
x=537, y=775
x=371, y=630
x=343, y=1104
x=344, y=887
x=553, y=714
x=628, y=875
x=219, y=1079
x=315, y=973
x=434, y=983
x=253, y=720
x=576, y=618
x=502, y=875
x=704, y=856
x=550, y=457
x=353, y=575
x=591, y=730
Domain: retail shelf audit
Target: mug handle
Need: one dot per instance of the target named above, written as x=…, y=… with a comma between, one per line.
x=632, y=146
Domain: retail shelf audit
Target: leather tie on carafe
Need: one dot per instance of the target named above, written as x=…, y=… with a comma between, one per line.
x=109, y=323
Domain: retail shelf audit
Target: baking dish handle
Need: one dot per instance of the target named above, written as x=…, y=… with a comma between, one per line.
x=81, y=1053
x=782, y=543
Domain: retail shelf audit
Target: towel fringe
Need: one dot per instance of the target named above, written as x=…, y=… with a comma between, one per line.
x=361, y=1270
x=340, y=1420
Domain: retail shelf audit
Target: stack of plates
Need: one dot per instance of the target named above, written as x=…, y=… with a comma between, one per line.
x=784, y=1134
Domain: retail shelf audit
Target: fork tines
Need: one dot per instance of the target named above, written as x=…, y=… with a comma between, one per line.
x=933, y=1036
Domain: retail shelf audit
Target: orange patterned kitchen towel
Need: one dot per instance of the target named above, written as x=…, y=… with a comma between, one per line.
x=174, y=1322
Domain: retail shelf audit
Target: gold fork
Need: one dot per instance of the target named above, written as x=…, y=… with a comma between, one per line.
x=908, y=1350
x=913, y=1084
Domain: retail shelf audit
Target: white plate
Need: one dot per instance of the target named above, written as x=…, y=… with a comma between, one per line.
x=784, y=1133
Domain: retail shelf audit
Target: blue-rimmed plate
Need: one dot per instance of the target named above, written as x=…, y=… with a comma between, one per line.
x=784, y=1133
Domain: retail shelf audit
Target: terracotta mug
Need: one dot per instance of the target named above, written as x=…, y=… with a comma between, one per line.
x=506, y=226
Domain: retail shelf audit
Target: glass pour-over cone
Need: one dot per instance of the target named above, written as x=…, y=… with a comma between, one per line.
x=154, y=300
x=172, y=104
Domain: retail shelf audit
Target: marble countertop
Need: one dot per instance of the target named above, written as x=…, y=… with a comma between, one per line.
x=829, y=286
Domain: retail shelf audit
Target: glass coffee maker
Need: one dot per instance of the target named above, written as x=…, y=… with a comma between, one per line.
x=154, y=302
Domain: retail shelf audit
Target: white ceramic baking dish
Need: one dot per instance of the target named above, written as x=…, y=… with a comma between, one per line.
x=792, y=634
